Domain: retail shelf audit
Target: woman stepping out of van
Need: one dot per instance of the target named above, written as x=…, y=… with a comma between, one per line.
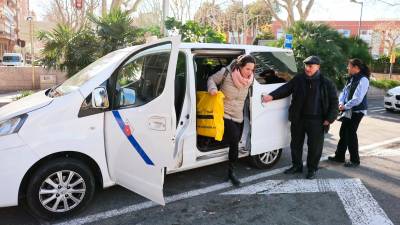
x=234, y=81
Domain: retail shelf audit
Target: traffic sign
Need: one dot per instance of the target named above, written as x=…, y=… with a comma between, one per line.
x=288, y=41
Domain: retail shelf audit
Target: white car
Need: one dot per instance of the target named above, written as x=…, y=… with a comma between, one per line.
x=392, y=99
x=127, y=119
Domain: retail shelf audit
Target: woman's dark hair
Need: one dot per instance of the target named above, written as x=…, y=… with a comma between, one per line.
x=364, y=69
x=242, y=60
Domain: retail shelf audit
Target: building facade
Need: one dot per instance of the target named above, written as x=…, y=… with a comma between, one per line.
x=12, y=13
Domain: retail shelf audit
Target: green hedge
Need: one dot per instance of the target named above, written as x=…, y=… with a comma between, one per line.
x=385, y=84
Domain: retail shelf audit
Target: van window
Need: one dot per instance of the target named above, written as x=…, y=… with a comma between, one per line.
x=142, y=79
x=274, y=67
x=11, y=58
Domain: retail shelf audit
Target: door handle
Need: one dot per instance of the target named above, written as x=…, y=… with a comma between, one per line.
x=157, y=123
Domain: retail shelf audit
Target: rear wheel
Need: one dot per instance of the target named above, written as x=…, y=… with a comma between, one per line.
x=60, y=188
x=266, y=160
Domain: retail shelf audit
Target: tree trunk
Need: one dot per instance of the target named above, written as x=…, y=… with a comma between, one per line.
x=103, y=8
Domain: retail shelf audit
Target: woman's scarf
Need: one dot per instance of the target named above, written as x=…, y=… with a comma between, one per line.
x=240, y=81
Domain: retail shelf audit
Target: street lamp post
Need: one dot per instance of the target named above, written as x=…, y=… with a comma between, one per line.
x=359, y=22
x=30, y=18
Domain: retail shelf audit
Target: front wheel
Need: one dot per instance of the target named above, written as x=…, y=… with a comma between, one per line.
x=60, y=188
x=266, y=160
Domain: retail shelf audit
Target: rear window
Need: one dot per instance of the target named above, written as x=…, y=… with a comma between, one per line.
x=274, y=67
x=11, y=59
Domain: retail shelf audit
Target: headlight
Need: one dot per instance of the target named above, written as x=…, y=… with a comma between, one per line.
x=12, y=125
x=388, y=94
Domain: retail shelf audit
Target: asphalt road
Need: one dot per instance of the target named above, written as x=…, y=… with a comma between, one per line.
x=339, y=195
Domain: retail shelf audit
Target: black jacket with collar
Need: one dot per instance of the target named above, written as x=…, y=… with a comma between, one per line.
x=297, y=88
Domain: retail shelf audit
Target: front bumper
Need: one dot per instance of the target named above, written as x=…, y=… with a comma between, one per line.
x=15, y=160
x=391, y=103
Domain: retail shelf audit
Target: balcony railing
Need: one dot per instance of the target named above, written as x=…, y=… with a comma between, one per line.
x=8, y=13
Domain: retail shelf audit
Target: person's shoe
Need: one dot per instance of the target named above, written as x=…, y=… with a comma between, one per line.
x=311, y=174
x=334, y=159
x=232, y=177
x=234, y=180
x=351, y=164
x=293, y=170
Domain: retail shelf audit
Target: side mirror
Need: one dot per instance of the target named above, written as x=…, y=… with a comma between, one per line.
x=127, y=97
x=100, y=98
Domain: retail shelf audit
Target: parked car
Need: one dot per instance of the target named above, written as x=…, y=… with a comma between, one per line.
x=127, y=119
x=13, y=59
x=392, y=99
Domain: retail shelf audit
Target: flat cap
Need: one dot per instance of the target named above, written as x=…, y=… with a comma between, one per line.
x=312, y=60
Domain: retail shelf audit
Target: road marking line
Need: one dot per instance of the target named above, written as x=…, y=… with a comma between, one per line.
x=358, y=202
x=378, y=144
x=382, y=152
x=193, y=193
x=377, y=110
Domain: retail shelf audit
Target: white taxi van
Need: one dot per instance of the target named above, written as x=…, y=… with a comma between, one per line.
x=128, y=119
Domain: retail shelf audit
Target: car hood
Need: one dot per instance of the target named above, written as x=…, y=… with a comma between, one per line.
x=24, y=105
x=395, y=90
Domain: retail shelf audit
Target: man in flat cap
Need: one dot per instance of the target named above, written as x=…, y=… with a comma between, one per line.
x=312, y=110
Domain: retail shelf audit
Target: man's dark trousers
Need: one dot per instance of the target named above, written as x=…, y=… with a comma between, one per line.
x=315, y=140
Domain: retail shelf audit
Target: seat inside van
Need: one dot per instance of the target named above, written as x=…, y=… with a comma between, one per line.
x=208, y=63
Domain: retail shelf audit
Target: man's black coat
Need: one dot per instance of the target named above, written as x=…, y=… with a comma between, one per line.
x=297, y=87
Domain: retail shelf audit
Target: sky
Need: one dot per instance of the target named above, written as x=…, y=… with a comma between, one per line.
x=322, y=10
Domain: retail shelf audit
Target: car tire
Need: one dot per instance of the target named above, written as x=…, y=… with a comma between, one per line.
x=48, y=198
x=266, y=160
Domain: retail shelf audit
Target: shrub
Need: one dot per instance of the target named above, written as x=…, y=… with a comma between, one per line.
x=23, y=94
x=385, y=84
x=319, y=39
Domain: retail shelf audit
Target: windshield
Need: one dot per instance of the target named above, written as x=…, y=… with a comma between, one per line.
x=80, y=78
x=11, y=59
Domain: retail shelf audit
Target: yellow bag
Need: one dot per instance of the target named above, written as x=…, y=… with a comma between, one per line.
x=210, y=114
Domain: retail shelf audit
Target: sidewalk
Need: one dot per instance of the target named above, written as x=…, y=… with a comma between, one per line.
x=7, y=97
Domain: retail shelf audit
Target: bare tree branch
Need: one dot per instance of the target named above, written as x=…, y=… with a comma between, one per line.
x=289, y=6
x=134, y=7
x=273, y=12
x=104, y=7
x=391, y=34
x=308, y=9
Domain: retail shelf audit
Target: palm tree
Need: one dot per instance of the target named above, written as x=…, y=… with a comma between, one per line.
x=56, y=44
x=115, y=30
x=67, y=50
x=70, y=51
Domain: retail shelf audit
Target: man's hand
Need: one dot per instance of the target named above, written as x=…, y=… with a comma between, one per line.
x=341, y=107
x=266, y=98
x=213, y=92
x=326, y=123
